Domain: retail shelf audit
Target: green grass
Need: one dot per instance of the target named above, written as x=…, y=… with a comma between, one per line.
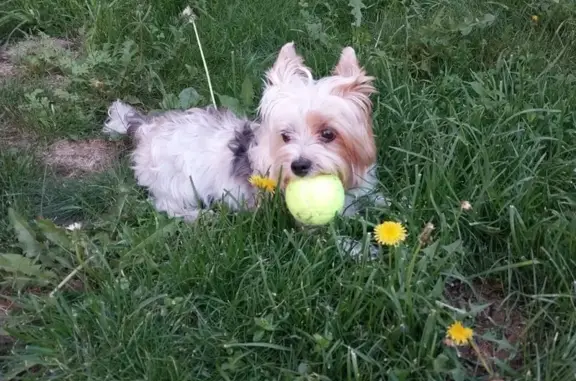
x=475, y=103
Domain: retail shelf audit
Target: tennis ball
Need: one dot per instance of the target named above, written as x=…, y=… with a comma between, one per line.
x=315, y=200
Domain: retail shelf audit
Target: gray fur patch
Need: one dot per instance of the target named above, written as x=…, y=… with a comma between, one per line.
x=239, y=145
x=134, y=120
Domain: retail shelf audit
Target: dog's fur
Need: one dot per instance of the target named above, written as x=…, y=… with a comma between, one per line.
x=190, y=159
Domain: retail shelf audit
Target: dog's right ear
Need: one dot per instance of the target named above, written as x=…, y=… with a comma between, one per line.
x=289, y=66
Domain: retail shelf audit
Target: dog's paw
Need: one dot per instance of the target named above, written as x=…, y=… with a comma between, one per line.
x=355, y=249
x=380, y=200
x=194, y=215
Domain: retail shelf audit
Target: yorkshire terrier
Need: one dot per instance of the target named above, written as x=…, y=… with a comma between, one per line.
x=190, y=159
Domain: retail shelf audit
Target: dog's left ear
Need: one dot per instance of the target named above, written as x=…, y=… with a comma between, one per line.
x=289, y=66
x=355, y=86
x=358, y=82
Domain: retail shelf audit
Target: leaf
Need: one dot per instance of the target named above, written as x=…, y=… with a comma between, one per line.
x=478, y=88
x=16, y=370
x=475, y=309
x=322, y=343
x=57, y=236
x=399, y=374
x=192, y=70
x=488, y=19
x=133, y=100
x=454, y=247
x=247, y=93
x=442, y=364
x=128, y=50
x=231, y=103
x=466, y=30
x=430, y=250
x=265, y=323
x=357, y=6
x=54, y=234
x=19, y=264
x=258, y=335
x=169, y=102
x=458, y=374
x=189, y=97
x=24, y=233
x=316, y=32
x=439, y=17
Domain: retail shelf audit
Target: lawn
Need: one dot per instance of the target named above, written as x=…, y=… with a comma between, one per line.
x=476, y=133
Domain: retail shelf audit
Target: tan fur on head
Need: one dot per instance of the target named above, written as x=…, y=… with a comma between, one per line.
x=358, y=91
x=327, y=121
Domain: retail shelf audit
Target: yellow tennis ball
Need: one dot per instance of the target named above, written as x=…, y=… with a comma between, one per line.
x=315, y=200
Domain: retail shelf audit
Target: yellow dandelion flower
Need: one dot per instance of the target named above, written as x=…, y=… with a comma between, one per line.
x=265, y=183
x=390, y=233
x=535, y=18
x=459, y=334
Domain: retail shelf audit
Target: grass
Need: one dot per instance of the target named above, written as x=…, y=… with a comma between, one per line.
x=475, y=104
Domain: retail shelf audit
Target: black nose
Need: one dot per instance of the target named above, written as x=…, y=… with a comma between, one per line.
x=301, y=167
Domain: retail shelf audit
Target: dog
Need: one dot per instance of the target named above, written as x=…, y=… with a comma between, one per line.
x=190, y=159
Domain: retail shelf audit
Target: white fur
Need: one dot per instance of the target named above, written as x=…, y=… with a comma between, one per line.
x=184, y=157
x=116, y=125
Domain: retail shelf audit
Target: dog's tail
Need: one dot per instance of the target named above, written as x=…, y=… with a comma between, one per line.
x=123, y=119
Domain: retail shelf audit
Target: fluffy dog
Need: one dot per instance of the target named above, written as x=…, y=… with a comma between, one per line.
x=191, y=159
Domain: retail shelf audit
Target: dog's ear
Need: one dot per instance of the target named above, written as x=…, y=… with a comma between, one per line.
x=356, y=87
x=289, y=66
x=357, y=82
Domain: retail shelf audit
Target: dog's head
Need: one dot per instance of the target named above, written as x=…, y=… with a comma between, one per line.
x=321, y=126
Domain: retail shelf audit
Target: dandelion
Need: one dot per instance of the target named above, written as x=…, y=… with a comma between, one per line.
x=74, y=226
x=459, y=334
x=97, y=84
x=390, y=233
x=465, y=205
x=188, y=13
x=535, y=18
x=265, y=183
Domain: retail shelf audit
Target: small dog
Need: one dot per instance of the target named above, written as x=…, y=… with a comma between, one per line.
x=191, y=159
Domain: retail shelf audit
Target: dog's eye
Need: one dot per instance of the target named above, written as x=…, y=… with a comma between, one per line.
x=327, y=135
x=285, y=137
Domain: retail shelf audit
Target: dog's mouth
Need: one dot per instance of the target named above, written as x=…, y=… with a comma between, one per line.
x=289, y=177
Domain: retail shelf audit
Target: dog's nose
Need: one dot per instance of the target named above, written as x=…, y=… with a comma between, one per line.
x=301, y=167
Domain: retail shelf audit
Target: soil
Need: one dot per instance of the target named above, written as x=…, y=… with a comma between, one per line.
x=77, y=158
x=501, y=318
